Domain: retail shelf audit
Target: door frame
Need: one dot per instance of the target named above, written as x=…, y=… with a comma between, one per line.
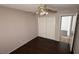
x=70, y=26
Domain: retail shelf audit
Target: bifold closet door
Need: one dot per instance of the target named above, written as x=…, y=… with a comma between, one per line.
x=50, y=27
x=46, y=26
x=42, y=26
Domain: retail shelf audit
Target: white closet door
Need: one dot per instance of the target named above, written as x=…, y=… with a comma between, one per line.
x=50, y=27
x=42, y=26
x=46, y=26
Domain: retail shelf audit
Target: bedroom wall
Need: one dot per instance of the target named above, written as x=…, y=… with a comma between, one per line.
x=16, y=28
x=76, y=37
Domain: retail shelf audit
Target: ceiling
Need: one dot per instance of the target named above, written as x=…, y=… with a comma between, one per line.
x=33, y=7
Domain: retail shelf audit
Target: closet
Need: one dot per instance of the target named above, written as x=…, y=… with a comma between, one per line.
x=46, y=26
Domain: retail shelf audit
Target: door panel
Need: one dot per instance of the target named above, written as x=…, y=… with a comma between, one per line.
x=46, y=26
x=51, y=27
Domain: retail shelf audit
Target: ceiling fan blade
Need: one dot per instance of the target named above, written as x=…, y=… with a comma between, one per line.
x=49, y=10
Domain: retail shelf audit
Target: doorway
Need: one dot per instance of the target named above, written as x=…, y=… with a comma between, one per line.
x=67, y=29
x=66, y=26
x=46, y=26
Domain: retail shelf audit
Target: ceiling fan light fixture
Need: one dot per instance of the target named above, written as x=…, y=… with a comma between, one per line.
x=46, y=13
x=42, y=11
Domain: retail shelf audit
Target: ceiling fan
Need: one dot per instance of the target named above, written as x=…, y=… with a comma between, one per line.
x=43, y=10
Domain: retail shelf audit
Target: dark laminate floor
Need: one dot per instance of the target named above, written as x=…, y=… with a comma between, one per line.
x=43, y=46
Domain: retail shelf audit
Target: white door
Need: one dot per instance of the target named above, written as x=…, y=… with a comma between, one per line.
x=46, y=26
x=50, y=27
x=42, y=26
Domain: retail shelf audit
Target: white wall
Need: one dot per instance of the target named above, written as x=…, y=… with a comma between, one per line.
x=16, y=28
x=46, y=26
x=73, y=29
x=74, y=22
x=76, y=37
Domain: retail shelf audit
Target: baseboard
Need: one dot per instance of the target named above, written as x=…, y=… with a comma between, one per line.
x=21, y=45
x=48, y=38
